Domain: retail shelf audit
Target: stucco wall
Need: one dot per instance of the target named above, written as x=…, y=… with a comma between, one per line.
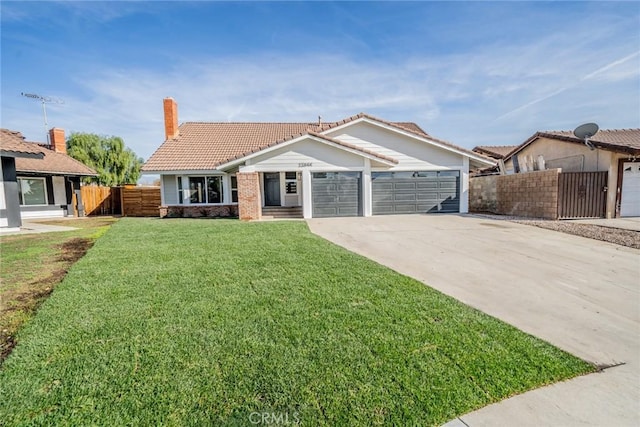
x=569, y=156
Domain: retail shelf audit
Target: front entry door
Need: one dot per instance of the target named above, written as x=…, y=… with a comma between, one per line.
x=272, y=189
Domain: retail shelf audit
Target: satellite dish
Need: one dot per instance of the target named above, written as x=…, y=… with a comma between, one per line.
x=585, y=132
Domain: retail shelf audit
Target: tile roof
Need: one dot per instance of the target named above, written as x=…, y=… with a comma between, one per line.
x=617, y=140
x=495, y=151
x=48, y=162
x=12, y=142
x=207, y=145
x=55, y=164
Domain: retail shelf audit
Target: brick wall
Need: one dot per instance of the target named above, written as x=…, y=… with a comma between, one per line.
x=483, y=195
x=249, y=201
x=199, y=211
x=531, y=194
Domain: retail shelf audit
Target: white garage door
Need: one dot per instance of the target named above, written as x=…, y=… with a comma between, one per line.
x=630, y=197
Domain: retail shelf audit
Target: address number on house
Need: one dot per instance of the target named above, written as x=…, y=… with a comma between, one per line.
x=305, y=165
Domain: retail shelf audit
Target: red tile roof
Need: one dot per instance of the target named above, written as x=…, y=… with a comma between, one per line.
x=13, y=143
x=49, y=162
x=205, y=146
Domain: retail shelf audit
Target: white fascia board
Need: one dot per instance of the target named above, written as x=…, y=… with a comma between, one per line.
x=302, y=138
x=187, y=172
x=410, y=135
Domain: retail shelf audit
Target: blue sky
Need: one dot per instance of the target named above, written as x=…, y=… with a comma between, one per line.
x=473, y=73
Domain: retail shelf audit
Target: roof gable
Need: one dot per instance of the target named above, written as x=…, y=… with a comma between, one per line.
x=319, y=138
x=206, y=146
x=417, y=134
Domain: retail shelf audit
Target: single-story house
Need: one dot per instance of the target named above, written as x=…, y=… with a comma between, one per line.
x=616, y=151
x=359, y=166
x=42, y=185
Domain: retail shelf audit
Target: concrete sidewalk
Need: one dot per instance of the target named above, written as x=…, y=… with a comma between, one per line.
x=579, y=294
x=32, y=227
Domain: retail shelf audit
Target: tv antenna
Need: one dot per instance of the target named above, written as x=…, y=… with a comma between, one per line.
x=586, y=131
x=44, y=100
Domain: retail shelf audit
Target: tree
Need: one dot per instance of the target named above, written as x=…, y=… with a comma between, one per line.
x=114, y=163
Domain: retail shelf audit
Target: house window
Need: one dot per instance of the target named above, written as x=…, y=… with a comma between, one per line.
x=180, y=191
x=32, y=191
x=196, y=190
x=291, y=182
x=234, y=189
x=214, y=189
x=205, y=189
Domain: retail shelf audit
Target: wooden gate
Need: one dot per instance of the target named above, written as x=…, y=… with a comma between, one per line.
x=101, y=200
x=582, y=195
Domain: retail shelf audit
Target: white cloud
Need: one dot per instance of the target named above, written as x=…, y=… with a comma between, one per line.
x=497, y=94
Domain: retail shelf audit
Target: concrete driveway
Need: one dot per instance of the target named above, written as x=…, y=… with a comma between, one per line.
x=580, y=294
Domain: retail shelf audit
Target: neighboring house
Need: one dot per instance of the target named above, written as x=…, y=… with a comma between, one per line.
x=494, y=151
x=616, y=151
x=360, y=166
x=45, y=185
x=10, y=149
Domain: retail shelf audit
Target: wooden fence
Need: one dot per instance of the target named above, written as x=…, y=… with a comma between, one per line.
x=125, y=201
x=141, y=201
x=101, y=200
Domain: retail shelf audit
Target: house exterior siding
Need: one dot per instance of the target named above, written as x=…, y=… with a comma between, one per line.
x=320, y=156
x=410, y=153
x=169, y=185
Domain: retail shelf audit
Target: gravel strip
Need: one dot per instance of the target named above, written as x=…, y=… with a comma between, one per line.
x=628, y=238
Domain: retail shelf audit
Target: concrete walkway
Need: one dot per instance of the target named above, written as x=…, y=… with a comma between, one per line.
x=580, y=294
x=31, y=227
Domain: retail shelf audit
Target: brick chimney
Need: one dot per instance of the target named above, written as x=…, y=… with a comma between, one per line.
x=170, y=118
x=57, y=140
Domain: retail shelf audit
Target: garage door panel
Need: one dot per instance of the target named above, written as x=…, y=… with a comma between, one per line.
x=415, y=192
x=404, y=197
x=427, y=185
x=403, y=208
x=335, y=194
x=385, y=185
x=399, y=186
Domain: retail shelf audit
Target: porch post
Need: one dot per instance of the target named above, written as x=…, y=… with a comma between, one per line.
x=249, y=198
x=464, y=186
x=307, y=200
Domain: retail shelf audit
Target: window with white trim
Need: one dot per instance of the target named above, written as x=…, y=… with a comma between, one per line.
x=205, y=190
x=32, y=191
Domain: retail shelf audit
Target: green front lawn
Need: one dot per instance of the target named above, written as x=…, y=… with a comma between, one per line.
x=207, y=322
x=33, y=264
